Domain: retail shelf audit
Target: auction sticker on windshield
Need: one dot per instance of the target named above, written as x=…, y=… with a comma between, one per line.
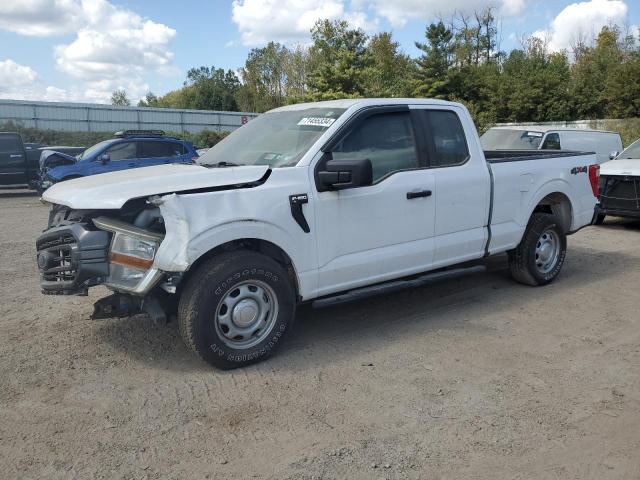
x=317, y=121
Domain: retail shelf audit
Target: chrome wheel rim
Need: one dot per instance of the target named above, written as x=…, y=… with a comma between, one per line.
x=246, y=314
x=547, y=251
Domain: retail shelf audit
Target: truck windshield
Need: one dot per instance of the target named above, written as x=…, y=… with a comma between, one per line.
x=632, y=151
x=277, y=139
x=507, y=139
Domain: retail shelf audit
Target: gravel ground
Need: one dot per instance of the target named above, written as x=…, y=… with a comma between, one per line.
x=474, y=378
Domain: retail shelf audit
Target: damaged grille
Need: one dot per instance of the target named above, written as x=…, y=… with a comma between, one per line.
x=55, y=258
x=72, y=258
x=620, y=193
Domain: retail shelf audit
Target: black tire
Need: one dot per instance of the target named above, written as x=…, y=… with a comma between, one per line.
x=598, y=218
x=525, y=262
x=206, y=292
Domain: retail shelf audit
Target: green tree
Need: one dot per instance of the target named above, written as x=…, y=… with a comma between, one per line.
x=431, y=78
x=264, y=78
x=590, y=74
x=337, y=60
x=388, y=71
x=119, y=98
x=210, y=88
x=149, y=100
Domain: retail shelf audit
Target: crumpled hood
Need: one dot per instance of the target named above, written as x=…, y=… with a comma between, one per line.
x=621, y=167
x=51, y=159
x=112, y=190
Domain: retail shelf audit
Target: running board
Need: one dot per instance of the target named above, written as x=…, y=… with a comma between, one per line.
x=395, y=286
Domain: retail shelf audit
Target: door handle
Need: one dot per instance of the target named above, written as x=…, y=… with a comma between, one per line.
x=15, y=156
x=418, y=194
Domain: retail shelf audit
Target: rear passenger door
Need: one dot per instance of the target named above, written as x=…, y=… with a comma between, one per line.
x=160, y=152
x=13, y=162
x=462, y=185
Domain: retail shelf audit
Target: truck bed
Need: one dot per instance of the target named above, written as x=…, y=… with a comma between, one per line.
x=500, y=156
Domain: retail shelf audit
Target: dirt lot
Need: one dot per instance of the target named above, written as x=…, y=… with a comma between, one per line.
x=474, y=378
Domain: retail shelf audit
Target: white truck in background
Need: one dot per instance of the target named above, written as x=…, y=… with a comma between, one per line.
x=321, y=202
x=605, y=144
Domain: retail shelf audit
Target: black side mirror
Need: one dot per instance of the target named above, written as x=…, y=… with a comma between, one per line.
x=342, y=174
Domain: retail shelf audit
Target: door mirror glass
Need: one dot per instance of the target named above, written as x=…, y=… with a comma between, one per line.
x=613, y=154
x=346, y=173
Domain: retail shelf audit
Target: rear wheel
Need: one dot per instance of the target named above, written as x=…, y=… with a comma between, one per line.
x=236, y=309
x=541, y=253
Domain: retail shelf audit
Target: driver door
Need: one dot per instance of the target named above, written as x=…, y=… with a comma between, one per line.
x=381, y=231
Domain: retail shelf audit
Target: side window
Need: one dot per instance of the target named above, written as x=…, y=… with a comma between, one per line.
x=10, y=143
x=122, y=151
x=446, y=136
x=552, y=142
x=161, y=149
x=385, y=139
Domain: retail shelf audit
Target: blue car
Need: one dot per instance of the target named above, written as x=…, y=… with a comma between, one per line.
x=129, y=149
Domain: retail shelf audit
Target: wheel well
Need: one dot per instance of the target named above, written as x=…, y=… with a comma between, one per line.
x=559, y=205
x=255, y=245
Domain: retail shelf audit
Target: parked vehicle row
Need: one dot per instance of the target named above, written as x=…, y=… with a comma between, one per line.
x=38, y=166
x=322, y=202
x=20, y=162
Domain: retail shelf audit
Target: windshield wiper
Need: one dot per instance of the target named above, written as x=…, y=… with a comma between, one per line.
x=225, y=164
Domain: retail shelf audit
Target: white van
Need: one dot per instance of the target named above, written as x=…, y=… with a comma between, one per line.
x=606, y=145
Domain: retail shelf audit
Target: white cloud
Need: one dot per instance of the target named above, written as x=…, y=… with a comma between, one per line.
x=113, y=47
x=398, y=12
x=40, y=17
x=261, y=21
x=582, y=21
x=21, y=82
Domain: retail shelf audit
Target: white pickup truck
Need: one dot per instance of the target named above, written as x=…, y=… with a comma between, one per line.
x=322, y=202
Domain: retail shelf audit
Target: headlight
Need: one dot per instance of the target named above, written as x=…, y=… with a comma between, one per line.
x=131, y=255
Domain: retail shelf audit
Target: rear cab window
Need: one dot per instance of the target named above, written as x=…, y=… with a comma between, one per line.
x=445, y=138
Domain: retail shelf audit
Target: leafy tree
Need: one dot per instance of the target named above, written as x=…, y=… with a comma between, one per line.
x=119, y=98
x=388, y=71
x=432, y=79
x=210, y=88
x=592, y=68
x=337, y=60
x=149, y=100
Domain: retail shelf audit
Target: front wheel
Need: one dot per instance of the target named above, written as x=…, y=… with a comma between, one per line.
x=236, y=308
x=539, y=257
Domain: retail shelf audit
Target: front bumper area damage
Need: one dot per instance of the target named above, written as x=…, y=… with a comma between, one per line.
x=78, y=255
x=72, y=258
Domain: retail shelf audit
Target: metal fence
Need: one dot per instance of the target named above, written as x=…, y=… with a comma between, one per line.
x=89, y=117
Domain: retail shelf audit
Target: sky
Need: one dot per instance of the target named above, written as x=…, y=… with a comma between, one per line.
x=83, y=50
